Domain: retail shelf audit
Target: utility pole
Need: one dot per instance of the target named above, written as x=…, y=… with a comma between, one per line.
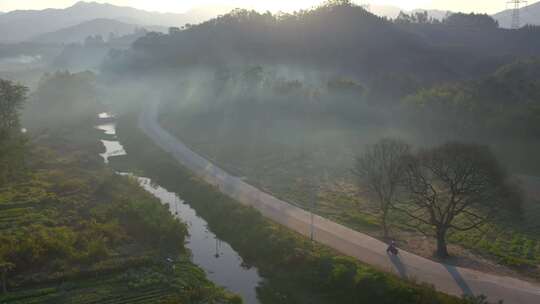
x=516, y=18
x=312, y=224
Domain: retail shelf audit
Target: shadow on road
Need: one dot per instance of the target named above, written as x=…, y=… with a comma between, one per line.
x=398, y=265
x=459, y=279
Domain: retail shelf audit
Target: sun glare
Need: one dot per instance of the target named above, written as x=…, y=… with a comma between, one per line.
x=488, y=6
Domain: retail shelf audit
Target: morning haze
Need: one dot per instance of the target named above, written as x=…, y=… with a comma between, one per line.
x=481, y=6
x=290, y=152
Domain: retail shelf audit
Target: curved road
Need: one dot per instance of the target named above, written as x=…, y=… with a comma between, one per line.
x=449, y=279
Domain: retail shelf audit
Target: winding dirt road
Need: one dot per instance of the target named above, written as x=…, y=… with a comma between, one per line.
x=449, y=279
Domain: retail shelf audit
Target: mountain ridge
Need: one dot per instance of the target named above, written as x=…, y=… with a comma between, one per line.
x=101, y=26
x=22, y=25
x=306, y=38
x=530, y=15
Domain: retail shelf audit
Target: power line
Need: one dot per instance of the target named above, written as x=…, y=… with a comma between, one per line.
x=516, y=18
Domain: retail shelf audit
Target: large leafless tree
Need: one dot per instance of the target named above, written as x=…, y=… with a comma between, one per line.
x=380, y=171
x=454, y=187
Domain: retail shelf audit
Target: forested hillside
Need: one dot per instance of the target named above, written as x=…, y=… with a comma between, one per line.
x=337, y=37
x=506, y=103
x=334, y=37
x=474, y=36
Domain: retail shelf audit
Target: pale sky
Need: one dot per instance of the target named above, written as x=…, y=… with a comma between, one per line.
x=485, y=6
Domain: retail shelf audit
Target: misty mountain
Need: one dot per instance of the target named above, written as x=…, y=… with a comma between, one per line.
x=340, y=38
x=23, y=25
x=109, y=29
x=529, y=15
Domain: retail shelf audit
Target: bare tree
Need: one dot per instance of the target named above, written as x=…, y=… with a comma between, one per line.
x=454, y=187
x=380, y=171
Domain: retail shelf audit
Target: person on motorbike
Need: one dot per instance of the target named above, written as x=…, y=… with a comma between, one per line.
x=392, y=248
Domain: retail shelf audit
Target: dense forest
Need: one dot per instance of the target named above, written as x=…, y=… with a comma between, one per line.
x=337, y=37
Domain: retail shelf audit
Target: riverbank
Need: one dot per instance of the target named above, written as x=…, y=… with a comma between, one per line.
x=295, y=269
x=221, y=264
x=76, y=232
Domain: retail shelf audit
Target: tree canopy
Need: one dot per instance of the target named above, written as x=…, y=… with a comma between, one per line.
x=62, y=100
x=506, y=103
x=12, y=97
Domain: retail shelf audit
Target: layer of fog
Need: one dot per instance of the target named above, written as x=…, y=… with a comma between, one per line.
x=20, y=62
x=263, y=123
x=274, y=118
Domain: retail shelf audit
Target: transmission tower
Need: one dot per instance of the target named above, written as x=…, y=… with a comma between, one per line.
x=516, y=22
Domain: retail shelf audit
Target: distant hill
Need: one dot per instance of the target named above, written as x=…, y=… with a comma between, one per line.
x=333, y=37
x=337, y=37
x=24, y=25
x=392, y=12
x=529, y=15
x=103, y=27
x=478, y=36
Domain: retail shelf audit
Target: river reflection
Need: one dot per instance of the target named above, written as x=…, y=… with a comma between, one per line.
x=112, y=148
x=222, y=264
x=109, y=128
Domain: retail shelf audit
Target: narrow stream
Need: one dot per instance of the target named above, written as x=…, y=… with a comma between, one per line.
x=112, y=147
x=221, y=263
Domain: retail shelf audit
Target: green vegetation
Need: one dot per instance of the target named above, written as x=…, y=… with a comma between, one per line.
x=287, y=102
x=296, y=270
x=314, y=88
x=12, y=142
x=73, y=231
x=300, y=143
x=502, y=109
x=62, y=100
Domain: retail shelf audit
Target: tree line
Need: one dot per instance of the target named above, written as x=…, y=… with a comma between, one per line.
x=12, y=142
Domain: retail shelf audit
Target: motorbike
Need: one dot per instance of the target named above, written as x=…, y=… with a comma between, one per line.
x=393, y=250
